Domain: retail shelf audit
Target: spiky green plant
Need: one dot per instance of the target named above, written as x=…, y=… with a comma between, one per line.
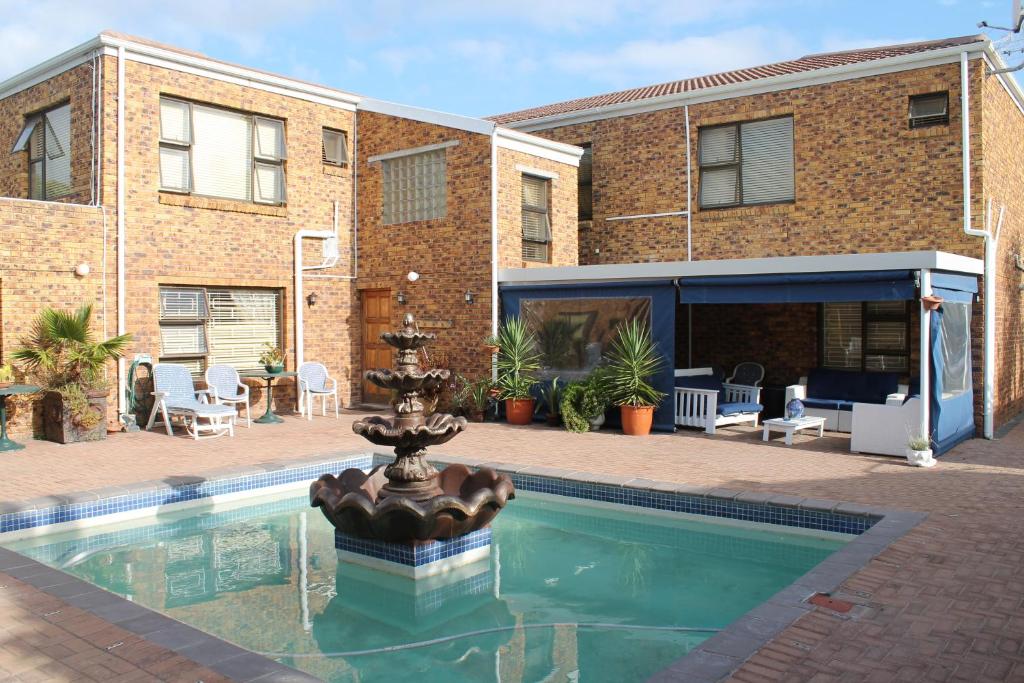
x=62, y=350
x=518, y=359
x=632, y=360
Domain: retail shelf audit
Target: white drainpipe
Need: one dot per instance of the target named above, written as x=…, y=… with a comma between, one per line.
x=329, y=260
x=494, y=240
x=121, y=326
x=924, y=339
x=991, y=246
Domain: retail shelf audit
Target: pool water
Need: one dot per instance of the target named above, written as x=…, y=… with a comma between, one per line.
x=570, y=592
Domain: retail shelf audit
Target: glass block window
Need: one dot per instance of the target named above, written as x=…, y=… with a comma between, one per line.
x=415, y=187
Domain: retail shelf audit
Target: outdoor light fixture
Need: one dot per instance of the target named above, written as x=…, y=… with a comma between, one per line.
x=469, y=297
x=400, y=297
x=413, y=276
x=82, y=269
x=311, y=299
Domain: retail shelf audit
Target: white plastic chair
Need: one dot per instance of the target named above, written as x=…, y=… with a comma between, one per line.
x=314, y=381
x=228, y=388
x=177, y=396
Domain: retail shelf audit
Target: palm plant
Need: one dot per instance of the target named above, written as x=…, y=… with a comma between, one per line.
x=62, y=350
x=632, y=360
x=518, y=359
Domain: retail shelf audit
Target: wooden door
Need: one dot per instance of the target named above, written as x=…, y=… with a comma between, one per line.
x=376, y=354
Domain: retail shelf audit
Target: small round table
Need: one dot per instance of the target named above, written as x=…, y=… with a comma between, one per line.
x=5, y=443
x=268, y=417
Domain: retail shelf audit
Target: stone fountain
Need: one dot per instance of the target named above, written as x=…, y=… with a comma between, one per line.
x=409, y=501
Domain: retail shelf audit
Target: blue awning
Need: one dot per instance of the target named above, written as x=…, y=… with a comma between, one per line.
x=955, y=287
x=876, y=285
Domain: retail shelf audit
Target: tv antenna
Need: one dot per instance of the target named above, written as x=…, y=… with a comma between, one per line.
x=1012, y=42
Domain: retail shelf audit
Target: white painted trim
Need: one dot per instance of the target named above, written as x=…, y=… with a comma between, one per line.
x=439, y=118
x=540, y=173
x=412, y=150
x=539, y=147
x=66, y=60
x=121, y=228
x=648, y=215
x=835, y=74
x=903, y=260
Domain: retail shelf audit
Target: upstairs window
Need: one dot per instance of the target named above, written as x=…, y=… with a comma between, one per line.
x=585, y=192
x=415, y=187
x=47, y=138
x=335, y=147
x=536, y=219
x=871, y=336
x=216, y=152
x=929, y=110
x=746, y=163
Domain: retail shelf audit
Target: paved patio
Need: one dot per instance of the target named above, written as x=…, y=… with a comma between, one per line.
x=943, y=603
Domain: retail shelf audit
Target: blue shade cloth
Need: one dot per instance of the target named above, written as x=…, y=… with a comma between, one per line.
x=881, y=285
x=737, y=408
x=662, y=325
x=953, y=287
x=952, y=417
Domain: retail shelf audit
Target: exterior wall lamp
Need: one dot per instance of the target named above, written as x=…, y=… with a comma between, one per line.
x=469, y=297
x=311, y=299
x=400, y=298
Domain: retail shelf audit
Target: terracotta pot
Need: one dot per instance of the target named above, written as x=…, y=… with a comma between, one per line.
x=931, y=303
x=492, y=349
x=519, y=411
x=637, y=420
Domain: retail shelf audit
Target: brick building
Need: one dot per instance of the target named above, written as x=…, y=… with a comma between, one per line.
x=218, y=207
x=855, y=152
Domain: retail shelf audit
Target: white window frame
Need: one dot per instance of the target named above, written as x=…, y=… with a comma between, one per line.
x=341, y=159
x=257, y=161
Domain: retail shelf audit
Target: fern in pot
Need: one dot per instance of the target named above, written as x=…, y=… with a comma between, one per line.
x=518, y=361
x=633, y=360
x=64, y=358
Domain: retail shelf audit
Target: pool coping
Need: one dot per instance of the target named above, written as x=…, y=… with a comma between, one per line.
x=712, y=660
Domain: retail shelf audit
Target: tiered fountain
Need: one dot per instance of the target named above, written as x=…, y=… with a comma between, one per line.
x=408, y=509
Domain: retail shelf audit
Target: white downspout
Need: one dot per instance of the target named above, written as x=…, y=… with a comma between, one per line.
x=924, y=369
x=689, y=239
x=989, y=340
x=121, y=326
x=297, y=289
x=494, y=232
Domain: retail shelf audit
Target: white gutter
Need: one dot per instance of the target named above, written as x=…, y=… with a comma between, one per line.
x=991, y=247
x=121, y=326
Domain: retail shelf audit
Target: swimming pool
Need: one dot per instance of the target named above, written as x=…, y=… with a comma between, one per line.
x=570, y=591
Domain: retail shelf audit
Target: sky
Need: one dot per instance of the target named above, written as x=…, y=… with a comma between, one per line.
x=477, y=57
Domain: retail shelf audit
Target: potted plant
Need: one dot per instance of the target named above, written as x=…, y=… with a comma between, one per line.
x=919, y=452
x=6, y=375
x=517, y=361
x=550, y=397
x=272, y=358
x=473, y=397
x=491, y=344
x=632, y=360
x=583, y=403
x=63, y=357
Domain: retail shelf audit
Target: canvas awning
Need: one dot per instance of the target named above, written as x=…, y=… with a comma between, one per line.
x=776, y=288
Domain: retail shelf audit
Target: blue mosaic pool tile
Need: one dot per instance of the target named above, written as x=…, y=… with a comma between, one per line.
x=58, y=514
x=413, y=555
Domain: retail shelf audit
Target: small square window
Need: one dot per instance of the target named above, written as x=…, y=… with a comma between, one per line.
x=335, y=147
x=929, y=110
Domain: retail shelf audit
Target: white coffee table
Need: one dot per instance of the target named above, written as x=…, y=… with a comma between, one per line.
x=790, y=427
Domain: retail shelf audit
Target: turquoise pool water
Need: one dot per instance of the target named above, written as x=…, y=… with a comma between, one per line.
x=570, y=592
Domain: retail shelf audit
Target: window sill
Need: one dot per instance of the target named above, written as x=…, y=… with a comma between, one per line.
x=935, y=131
x=336, y=170
x=188, y=201
x=711, y=213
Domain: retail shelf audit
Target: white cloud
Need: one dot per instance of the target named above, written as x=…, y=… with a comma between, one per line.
x=650, y=61
x=398, y=58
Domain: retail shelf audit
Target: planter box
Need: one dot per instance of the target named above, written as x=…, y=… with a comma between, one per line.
x=59, y=426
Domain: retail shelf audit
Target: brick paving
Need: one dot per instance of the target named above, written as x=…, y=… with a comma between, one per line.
x=942, y=603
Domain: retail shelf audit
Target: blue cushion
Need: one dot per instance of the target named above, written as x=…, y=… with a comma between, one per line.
x=851, y=386
x=829, y=403
x=702, y=382
x=737, y=408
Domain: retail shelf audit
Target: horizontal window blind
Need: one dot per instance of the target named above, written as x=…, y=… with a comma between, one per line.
x=414, y=187
x=536, y=222
x=719, y=186
x=175, y=121
x=241, y=322
x=49, y=152
x=183, y=303
x=842, y=335
x=767, y=161
x=222, y=153
x=718, y=145
x=182, y=340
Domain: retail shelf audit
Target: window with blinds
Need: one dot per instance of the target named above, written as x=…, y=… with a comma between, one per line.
x=536, y=219
x=415, y=187
x=585, y=175
x=746, y=163
x=47, y=138
x=335, y=147
x=217, y=152
x=200, y=327
x=929, y=110
x=872, y=336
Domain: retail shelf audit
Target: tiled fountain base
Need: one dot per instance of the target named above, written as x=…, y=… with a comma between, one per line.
x=415, y=560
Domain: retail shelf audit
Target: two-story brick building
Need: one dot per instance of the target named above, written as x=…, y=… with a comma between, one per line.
x=208, y=208
x=774, y=173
